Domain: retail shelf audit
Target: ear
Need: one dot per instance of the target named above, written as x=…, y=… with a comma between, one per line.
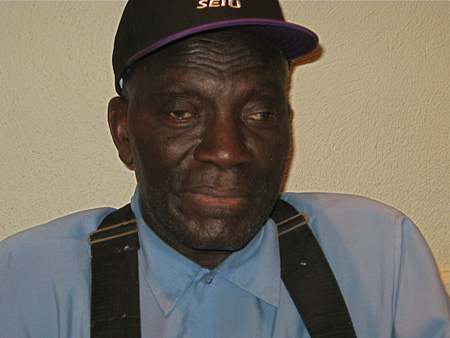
x=117, y=119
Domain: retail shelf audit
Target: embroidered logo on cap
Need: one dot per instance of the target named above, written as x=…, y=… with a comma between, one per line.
x=218, y=3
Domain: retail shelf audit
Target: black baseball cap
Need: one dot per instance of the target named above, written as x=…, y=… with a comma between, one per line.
x=148, y=25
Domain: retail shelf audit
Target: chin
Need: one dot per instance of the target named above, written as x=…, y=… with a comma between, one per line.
x=219, y=237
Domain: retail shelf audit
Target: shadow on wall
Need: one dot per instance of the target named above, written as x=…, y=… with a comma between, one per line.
x=445, y=277
x=315, y=55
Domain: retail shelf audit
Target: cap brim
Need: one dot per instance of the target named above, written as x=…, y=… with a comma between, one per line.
x=292, y=39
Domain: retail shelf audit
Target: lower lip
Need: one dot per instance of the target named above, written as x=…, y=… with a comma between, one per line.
x=217, y=201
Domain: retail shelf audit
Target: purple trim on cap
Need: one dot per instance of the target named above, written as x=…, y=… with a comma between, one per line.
x=251, y=25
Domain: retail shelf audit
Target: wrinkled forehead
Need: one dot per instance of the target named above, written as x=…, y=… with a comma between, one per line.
x=216, y=52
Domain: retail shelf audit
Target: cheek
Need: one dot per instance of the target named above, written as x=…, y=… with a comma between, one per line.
x=283, y=142
x=157, y=156
x=272, y=152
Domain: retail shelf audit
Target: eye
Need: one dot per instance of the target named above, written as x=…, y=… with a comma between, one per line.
x=181, y=115
x=261, y=117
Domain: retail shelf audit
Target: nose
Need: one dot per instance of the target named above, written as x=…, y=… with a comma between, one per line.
x=223, y=144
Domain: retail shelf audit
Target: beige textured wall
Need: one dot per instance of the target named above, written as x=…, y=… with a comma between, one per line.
x=371, y=113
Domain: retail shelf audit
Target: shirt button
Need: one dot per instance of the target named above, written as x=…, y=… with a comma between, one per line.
x=209, y=278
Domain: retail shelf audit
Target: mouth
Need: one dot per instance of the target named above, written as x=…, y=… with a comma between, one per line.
x=216, y=196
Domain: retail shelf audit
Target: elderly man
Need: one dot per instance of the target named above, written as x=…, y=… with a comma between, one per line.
x=203, y=120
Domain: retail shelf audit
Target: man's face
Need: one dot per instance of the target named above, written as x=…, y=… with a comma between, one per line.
x=209, y=133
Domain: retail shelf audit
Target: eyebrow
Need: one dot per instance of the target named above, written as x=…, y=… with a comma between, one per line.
x=267, y=86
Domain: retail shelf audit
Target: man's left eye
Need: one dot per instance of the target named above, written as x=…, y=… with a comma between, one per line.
x=264, y=116
x=181, y=115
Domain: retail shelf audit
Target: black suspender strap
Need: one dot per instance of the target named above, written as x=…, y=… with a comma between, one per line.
x=115, y=311
x=308, y=276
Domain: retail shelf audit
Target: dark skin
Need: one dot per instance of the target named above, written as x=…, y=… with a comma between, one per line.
x=205, y=125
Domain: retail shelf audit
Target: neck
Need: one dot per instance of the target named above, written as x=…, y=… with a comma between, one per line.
x=208, y=259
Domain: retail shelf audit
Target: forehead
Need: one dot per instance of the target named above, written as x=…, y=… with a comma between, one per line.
x=217, y=54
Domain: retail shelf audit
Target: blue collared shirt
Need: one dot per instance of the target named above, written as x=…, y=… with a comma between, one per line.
x=240, y=298
x=384, y=268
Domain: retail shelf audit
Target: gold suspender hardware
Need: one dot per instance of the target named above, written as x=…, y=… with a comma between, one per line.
x=113, y=231
x=297, y=221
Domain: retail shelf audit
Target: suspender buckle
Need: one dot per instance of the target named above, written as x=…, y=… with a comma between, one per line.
x=292, y=223
x=114, y=231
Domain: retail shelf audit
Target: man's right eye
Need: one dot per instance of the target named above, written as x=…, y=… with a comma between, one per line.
x=181, y=115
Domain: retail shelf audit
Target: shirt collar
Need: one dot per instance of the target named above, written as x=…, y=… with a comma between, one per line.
x=255, y=268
